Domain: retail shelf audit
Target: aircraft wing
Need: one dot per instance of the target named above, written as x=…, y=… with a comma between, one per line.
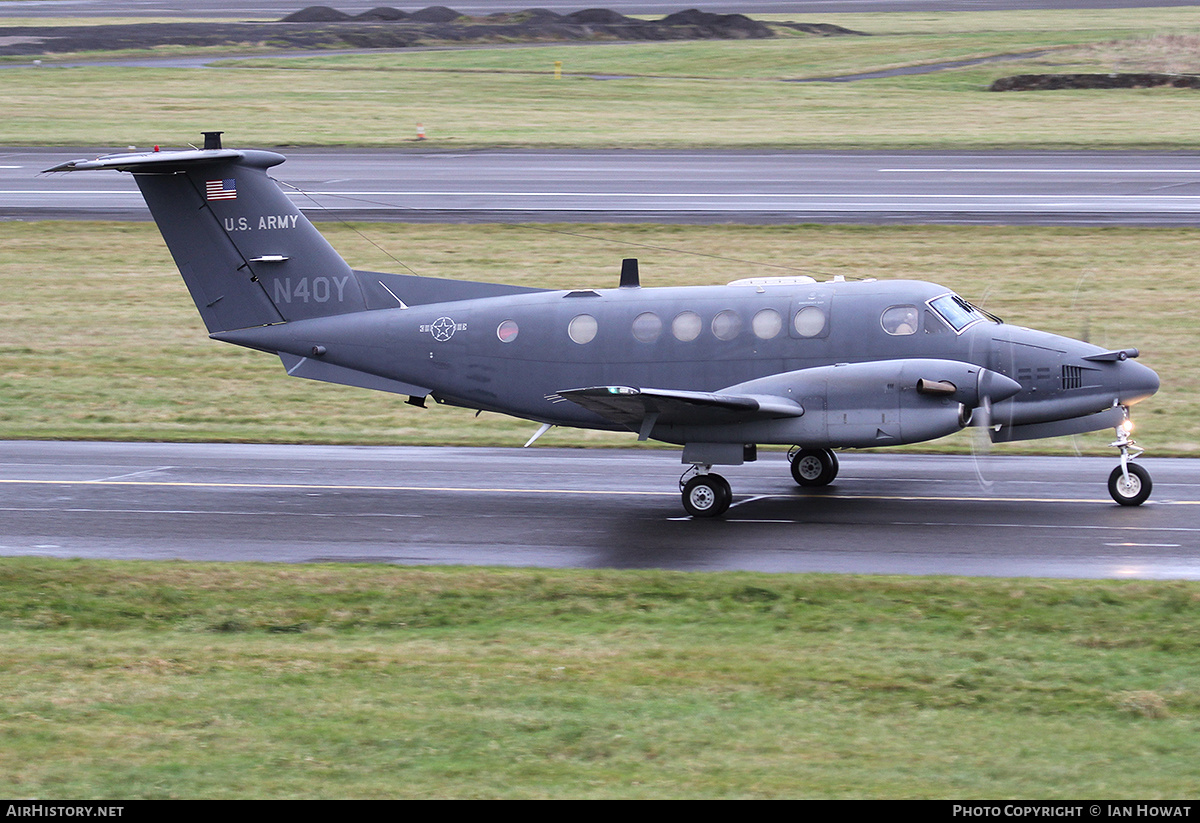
x=641, y=408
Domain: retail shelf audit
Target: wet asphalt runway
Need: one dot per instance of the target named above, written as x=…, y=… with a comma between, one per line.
x=886, y=513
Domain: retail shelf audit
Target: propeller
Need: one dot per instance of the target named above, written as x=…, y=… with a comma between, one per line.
x=976, y=408
x=981, y=419
x=981, y=440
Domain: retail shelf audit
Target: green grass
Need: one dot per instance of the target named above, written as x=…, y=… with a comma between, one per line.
x=130, y=680
x=99, y=338
x=785, y=57
x=725, y=94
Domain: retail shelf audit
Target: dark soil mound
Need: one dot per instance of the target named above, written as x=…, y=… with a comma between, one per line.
x=434, y=14
x=322, y=27
x=527, y=16
x=689, y=17
x=589, y=16
x=316, y=14
x=541, y=14
x=718, y=25
x=1129, y=80
x=382, y=14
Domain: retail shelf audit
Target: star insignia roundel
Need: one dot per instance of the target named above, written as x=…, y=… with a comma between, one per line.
x=442, y=329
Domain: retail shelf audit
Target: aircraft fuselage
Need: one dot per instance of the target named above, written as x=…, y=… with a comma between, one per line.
x=515, y=353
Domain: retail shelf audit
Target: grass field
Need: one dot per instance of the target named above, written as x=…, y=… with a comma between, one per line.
x=703, y=93
x=172, y=680
x=99, y=338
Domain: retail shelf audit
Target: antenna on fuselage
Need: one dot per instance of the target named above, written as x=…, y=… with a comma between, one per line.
x=212, y=139
x=629, y=273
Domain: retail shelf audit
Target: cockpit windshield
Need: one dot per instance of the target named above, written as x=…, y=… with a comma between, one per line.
x=958, y=312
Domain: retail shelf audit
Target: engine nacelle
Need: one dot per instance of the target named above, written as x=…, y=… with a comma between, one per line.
x=883, y=403
x=858, y=405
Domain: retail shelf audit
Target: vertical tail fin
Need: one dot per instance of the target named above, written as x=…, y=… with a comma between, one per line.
x=247, y=254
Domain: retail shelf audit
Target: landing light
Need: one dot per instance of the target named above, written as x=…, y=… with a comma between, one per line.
x=1127, y=426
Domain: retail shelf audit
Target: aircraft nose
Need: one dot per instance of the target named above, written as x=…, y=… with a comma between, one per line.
x=1135, y=382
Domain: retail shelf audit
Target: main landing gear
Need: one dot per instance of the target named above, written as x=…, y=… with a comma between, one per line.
x=708, y=495
x=813, y=467
x=1129, y=484
x=705, y=494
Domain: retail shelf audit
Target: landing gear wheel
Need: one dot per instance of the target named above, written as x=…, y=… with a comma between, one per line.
x=707, y=495
x=1131, y=492
x=814, y=467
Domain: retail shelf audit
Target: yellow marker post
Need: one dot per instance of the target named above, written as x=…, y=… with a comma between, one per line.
x=558, y=70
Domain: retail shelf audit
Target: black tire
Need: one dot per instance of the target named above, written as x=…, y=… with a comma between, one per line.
x=814, y=467
x=707, y=495
x=833, y=462
x=1133, y=493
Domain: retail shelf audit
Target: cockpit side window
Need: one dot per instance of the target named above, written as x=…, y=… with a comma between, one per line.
x=934, y=324
x=899, y=320
x=956, y=311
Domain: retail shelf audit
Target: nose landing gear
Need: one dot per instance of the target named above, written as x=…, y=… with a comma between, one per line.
x=1129, y=484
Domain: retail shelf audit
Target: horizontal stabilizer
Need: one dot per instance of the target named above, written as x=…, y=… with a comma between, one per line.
x=151, y=162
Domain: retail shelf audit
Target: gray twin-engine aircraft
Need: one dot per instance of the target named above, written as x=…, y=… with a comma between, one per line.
x=716, y=369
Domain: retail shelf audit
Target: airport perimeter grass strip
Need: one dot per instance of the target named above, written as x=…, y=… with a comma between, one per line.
x=178, y=680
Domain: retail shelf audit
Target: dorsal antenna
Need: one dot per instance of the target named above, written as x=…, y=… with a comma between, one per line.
x=629, y=273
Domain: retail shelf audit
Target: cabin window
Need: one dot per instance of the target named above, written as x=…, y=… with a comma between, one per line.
x=686, y=326
x=647, y=326
x=582, y=328
x=507, y=331
x=899, y=320
x=809, y=321
x=727, y=325
x=767, y=324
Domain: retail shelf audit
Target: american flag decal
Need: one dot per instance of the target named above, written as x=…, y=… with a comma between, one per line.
x=221, y=189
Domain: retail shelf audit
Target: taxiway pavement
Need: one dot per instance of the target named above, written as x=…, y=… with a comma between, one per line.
x=413, y=185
